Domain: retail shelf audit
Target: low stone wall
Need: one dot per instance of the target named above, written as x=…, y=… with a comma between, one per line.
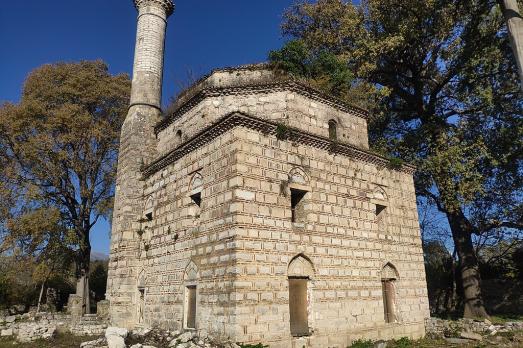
x=29, y=327
x=467, y=328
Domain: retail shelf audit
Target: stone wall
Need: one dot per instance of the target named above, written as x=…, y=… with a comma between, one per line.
x=340, y=236
x=242, y=240
x=30, y=326
x=181, y=235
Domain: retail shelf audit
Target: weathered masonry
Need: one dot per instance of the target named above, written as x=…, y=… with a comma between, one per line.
x=255, y=211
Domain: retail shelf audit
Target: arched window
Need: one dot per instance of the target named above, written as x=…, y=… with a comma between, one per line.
x=389, y=274
x=179, y=136
x=195, y=191
x=300, y=272
x=148, y=209
x=333, y=130
x=299, y=186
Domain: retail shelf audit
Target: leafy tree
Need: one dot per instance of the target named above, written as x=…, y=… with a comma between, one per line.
x=447, y=99
x=59, y=145
x=98, y=279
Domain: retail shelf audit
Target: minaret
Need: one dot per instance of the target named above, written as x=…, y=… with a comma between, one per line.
x=137, y=147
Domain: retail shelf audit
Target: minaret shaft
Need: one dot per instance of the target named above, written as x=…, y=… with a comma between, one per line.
x=137, y=148
x=148, y=57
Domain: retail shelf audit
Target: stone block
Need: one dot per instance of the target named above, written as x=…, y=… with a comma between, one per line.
x=115, y=342
x=6, y=332
x=102, y=309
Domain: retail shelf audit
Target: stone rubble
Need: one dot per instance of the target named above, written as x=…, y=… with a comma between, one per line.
x=31, y=326
x=155, y=338
x=467, y=330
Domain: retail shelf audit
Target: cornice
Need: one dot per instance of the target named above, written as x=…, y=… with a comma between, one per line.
x=267, y=127
x=264, y=88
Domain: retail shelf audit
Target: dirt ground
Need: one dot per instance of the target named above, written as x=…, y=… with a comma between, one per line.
x=511, y=339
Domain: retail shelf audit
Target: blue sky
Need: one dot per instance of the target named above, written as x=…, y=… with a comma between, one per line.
x=202, y=35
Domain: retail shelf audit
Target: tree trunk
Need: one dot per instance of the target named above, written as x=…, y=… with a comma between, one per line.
x=82, y=273
x=40, y=297
x=514, y=23
x=468, y=265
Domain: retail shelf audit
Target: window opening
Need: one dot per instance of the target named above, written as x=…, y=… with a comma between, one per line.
x=381, y=212
x=297, y=202
x=190, y=304
x=298, y=306
x=141, y=304
x=333, y=130
x=197, y=199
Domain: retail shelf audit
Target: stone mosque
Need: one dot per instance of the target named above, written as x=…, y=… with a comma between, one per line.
x=255, y=211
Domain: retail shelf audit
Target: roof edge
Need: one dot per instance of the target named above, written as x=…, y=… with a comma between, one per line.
x=238, y=118
x=287, y=84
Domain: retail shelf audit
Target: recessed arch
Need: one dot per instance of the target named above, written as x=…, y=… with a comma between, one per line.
x=301, y=266
x=196, y=183
x=389, y=276
x=141, y=281
x=389, y=272
x=298, y=176
x=148, y=208
x=333, y=129
x=380, y=194
x=190, y=276
x=191, y=273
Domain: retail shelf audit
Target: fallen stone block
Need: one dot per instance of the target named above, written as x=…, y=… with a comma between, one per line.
x=185, y=337
x=471, y=336
x=115, y=342
x=6, y=332
x=116, y=331
x=10, y=319
x=455, y=340
x=94, y=344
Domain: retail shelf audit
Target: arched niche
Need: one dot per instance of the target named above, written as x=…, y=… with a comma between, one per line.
x=148, y=209
x=297, y=176
x=300, y=273
x=389, y=272
x=298, y=188
x=333, y=129
x=195, y=191
x=191, y=297
x=141, y=280
x=379, y=194
x=389, y=277
x=300, y=267
x=191, y=273
x=196, y=183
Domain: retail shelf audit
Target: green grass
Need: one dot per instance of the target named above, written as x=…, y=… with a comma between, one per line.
x=503, y=318
x=62, y=340
x=259, y=345
x=362, y=344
